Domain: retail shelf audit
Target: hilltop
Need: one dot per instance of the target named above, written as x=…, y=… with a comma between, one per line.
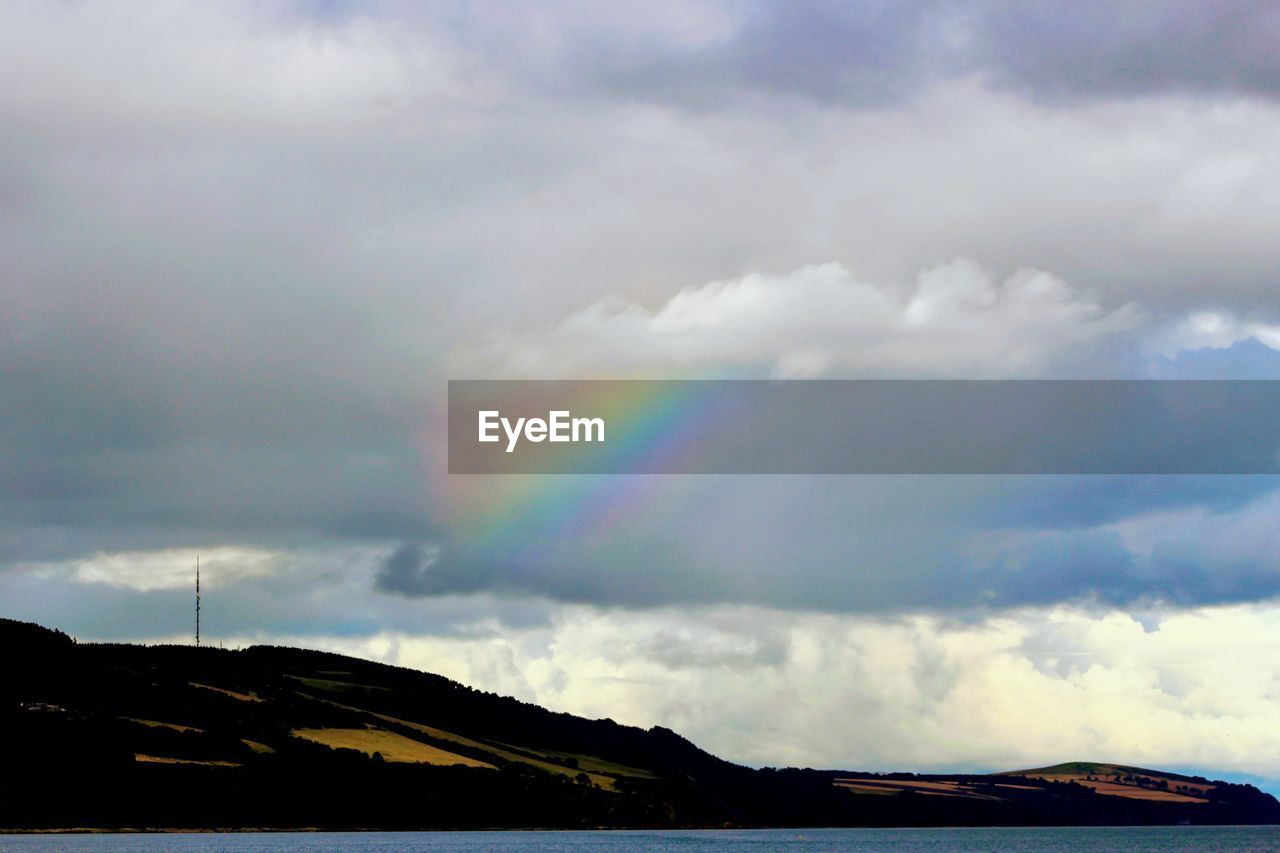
x=128, y=736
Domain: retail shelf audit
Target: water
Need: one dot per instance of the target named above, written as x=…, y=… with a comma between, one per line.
x=1229, y=838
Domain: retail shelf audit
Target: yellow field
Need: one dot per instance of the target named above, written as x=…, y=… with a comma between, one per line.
x=955, y=789
x=392, y=746
x=867, y=789
x=1133, y=792
x=259, y=748
x=893, y=786
x=440, y=734
x=598, y=779
x=163, y=759
x=156, y=724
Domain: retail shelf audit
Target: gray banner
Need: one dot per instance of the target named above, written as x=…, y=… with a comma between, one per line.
x=863, y=427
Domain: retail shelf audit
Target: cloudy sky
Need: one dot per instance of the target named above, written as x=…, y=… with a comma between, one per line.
x=244, y=245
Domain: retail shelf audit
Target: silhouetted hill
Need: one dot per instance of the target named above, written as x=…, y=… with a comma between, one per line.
x=110, y=735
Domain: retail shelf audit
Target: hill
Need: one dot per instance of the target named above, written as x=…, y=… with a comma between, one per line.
x=126, y=736
x=1136, y=783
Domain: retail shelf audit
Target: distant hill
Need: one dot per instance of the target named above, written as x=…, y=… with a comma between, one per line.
x=1137, y=783
x=126, y=736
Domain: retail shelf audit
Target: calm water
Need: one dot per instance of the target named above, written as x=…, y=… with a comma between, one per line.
x=1064, y=839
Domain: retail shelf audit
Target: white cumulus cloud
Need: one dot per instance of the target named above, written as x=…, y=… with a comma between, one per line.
x=1191, y=688
x=1215, y=330
x=823, y=320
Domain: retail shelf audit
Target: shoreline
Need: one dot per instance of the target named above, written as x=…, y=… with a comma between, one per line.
x=311, y=830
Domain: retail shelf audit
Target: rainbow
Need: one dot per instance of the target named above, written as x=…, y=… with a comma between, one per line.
x=651, y=425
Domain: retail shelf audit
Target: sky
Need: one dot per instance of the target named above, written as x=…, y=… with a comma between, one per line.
x=244, y=245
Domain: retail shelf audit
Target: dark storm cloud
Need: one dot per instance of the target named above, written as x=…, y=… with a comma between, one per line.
x=187, y=359
x=208, y=459
x=894, y=544
x=1089, y=567
x=1095, y=566
x=415, y=571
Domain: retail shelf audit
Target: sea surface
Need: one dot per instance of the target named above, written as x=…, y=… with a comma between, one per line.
x=757, y=840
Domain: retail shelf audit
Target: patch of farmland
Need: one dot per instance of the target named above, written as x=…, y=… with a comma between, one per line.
x=392, y=746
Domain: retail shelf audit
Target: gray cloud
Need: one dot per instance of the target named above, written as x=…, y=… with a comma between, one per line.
x=878, y=54
x=734, y=650
x=327, y=589
x=863, y=55
x=1131, y=48
x=408, y=571
x=883, y=544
